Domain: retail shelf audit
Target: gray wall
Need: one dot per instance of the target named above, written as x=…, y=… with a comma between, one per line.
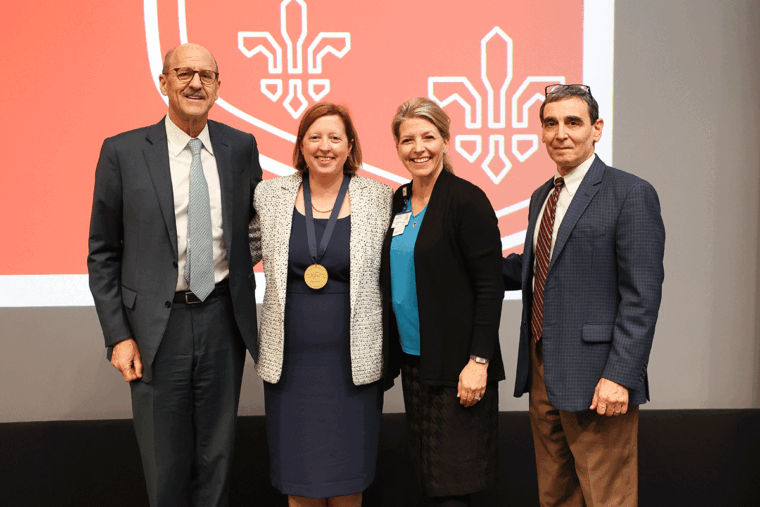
x=687, y=118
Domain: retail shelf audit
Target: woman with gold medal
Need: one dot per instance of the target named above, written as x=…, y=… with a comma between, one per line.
x=320, y=232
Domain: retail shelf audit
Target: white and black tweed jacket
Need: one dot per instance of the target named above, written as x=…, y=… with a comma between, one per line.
x=269, y=236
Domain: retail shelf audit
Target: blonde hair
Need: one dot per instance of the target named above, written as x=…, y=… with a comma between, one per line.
x=423, y=107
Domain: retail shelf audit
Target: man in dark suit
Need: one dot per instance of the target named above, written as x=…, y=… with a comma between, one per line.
x=591, y=277
x=171, y=274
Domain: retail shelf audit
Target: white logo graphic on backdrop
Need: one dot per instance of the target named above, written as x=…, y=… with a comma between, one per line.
x=72, y=290
x=296, y=56
x=295, y=102
x=496, y=77
x=293, y=30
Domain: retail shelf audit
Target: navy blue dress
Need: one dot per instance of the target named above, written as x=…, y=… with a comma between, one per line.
x=322, y=430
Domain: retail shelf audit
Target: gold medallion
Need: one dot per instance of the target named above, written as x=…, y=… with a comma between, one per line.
x=315, y=276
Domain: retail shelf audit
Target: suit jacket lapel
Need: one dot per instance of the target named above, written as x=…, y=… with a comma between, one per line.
x=224, y=168
x=359, y=219
x=533, y=221
x=586, y=191
x=156, y=155
x=436, y=207
x=283, y=224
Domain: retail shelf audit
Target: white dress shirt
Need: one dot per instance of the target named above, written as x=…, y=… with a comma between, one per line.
x=572, y=182
x=180, y=158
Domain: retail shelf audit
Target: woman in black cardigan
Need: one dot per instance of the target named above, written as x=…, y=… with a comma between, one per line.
x=442, y=298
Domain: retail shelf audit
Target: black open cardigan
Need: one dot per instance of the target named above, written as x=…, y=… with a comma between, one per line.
x=457, y=260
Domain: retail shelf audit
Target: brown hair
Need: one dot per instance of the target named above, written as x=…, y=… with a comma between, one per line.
x=318, y=110
x=422, y=107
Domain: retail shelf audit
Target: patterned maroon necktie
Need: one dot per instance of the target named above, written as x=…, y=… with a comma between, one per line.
x=543, y=247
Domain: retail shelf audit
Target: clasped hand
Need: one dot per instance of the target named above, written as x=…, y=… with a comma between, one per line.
x=126, y=358
x=610, y=398
x=472, y=383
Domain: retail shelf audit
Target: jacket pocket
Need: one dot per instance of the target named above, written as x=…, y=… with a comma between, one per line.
x=586, y=231
x=128, y=297
x=597, y=333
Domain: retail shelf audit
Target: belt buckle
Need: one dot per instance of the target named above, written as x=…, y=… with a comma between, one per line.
x=188, y=301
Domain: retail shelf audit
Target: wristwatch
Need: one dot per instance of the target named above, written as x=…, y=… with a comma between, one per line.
x=479, y=360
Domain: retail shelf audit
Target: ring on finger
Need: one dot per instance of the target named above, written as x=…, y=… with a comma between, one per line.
x=476, y=398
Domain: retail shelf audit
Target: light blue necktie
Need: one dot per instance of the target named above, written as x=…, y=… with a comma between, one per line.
x=199, y=267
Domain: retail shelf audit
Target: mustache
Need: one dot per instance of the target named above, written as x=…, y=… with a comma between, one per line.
x=195, y=95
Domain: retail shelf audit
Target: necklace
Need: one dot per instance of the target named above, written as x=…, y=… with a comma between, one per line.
x=416, y=217
x=319, y=210
x=316, y=275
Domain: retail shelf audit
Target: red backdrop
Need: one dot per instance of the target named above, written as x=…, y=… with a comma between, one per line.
x=78, y=71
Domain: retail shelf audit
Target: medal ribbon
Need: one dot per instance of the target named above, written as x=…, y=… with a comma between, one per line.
x=316, y=256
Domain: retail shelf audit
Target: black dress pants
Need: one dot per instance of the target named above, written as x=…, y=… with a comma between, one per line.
x=185, y=416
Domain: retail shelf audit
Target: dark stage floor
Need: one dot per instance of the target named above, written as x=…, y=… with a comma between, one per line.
x=686, y=458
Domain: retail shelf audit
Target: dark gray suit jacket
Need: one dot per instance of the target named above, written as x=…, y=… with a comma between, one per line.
x=132, y=257
x=602, y=292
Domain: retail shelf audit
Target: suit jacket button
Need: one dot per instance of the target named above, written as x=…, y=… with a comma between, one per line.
x=168, y=304
x=175, y=264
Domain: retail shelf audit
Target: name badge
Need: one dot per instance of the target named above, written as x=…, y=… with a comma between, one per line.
x=400, y=221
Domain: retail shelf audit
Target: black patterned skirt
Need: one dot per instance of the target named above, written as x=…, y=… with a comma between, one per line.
x=455, y=449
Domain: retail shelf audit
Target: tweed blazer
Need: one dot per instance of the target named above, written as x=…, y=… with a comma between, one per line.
x=270, y=241
x=603, y=289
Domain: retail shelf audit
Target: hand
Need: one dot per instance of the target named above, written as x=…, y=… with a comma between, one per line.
x=610, y=398
x=472, y=383
x=126, y=359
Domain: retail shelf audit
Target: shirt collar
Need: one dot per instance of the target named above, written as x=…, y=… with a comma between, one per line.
x=575, y=177
x=178, y=139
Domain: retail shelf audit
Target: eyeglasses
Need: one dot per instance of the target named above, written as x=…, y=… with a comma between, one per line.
x=554, y=88
x=185, y=74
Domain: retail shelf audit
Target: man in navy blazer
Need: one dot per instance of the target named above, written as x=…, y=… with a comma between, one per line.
x=591, y=289
x=181, y=348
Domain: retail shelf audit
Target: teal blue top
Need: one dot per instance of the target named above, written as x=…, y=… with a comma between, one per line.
x=404, y=283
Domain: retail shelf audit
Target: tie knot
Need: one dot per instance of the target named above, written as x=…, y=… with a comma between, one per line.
x=195, y=146
x=559, y=183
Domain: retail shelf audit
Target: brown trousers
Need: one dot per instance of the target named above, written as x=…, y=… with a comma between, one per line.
x=582, y=458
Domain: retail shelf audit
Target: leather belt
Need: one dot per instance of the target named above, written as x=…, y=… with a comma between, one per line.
x=189, y=298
